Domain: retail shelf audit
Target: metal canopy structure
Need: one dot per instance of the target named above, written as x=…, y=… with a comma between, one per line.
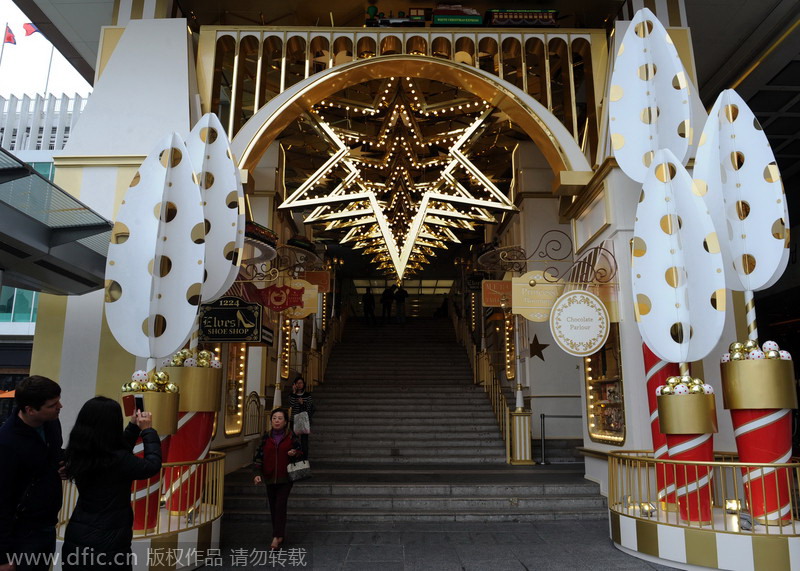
x=49, y=241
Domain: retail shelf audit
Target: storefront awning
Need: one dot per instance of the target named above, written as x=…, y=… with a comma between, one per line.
x=49, y=241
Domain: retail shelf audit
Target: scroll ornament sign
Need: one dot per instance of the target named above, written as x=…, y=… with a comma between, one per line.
x=579, y=323
x=533, y=295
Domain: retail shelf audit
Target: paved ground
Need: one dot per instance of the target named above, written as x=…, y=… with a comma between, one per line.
x=430, y=546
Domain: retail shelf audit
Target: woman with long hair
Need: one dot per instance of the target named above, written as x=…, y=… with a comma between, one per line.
x=300, y=400
x=278, y=447
x=101, y=462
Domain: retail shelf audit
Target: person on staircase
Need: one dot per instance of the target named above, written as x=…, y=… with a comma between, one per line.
x=400, y=296
x=301, y=400
x=387, y=297
x=278, y=447
x=368, y=302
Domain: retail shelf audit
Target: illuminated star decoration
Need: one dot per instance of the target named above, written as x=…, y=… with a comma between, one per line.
x=404, y=216
x=538, y=348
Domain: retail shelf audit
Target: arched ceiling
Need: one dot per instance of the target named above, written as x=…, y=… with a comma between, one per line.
x=402, y=157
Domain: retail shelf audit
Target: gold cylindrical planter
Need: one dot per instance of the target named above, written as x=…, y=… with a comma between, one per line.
x=164, y=407
x=687, y=414
x=758, y=383
x=200, y=387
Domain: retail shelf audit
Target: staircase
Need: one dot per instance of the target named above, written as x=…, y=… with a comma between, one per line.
x=402, y=434
x=402, y=394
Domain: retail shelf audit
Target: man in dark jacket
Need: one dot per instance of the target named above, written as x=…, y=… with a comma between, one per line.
x=30, y=479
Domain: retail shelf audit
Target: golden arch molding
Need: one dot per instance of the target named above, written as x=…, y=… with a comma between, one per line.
x=553, y=139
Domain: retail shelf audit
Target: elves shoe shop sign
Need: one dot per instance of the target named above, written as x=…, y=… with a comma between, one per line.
x=230, y=319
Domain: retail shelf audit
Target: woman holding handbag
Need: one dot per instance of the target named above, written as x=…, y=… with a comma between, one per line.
x=301, y=402
x=278, y=447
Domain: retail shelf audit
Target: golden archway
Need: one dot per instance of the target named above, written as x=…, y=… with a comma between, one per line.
x=553, y=140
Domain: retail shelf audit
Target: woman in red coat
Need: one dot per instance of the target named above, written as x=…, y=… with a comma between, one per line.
x=278, y=447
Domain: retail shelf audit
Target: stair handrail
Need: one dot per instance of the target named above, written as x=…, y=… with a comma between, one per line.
x=488, y=378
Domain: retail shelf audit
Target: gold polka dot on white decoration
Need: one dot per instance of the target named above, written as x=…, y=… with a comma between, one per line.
x=744, y=194
x=673, y=265
x=224, y=213
x=649, y=98
x=151, y=255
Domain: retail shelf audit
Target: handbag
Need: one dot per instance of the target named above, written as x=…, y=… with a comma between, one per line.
x=302, y=424
x=299, y=470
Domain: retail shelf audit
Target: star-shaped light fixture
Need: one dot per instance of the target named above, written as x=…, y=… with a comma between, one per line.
x=399, y=183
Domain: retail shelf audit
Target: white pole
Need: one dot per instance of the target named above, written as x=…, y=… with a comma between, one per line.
x=49, y=68
x=3, y=46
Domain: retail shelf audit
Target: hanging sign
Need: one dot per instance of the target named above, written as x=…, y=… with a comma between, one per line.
x=230, y=319
x=579, y=323
x=473, y=282
x=496, y=293
x=533, y=294
x=309, y=303
x=281, y=297
x=321, y=279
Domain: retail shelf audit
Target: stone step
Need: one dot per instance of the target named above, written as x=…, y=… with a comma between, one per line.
x=345, y=445
x=442, y=415
x=345, y=516
x=245, y=487
x=400, y=398
x=391, y=428
x=395, y=504
x=433, y=458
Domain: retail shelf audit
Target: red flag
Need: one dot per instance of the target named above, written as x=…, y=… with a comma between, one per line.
x=9, y=37
x=30, y=28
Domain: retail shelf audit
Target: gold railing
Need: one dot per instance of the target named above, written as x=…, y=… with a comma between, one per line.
x=314, y=368
x=241, y=68
x=254, y=414
x=636, y=476
x=487, y=378
x=190, y=494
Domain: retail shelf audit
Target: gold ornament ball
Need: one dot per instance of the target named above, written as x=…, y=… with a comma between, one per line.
x=172, y=388
x=176, y=361
x=773, y=354
x=161, y=378
x=135, y=386
x=668, y=390
x=126, y=387
x=203, y=363
x=737, y=356
x=750, y=345
x=184, y=353
x=205, y=355
x=734, y=347
x=696, y=389
x=672, y=381
x=686, y=380
x=697, y=381
x=151, y=386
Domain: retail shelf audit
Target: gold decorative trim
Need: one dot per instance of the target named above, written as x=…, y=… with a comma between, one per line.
x=701, y=547
x=761, y=383
x=164, y=407
x=687, y=414
x=99, y=161
x=200, y=388
x=770, y=553
x=591, y=453
x=647, y=538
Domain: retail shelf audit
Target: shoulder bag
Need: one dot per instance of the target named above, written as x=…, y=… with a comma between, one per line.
x=299, y=470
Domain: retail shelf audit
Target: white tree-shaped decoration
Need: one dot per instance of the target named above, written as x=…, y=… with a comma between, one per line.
x=675, y=245
x=738, y=176
x=154, y=270
x=652, y=103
